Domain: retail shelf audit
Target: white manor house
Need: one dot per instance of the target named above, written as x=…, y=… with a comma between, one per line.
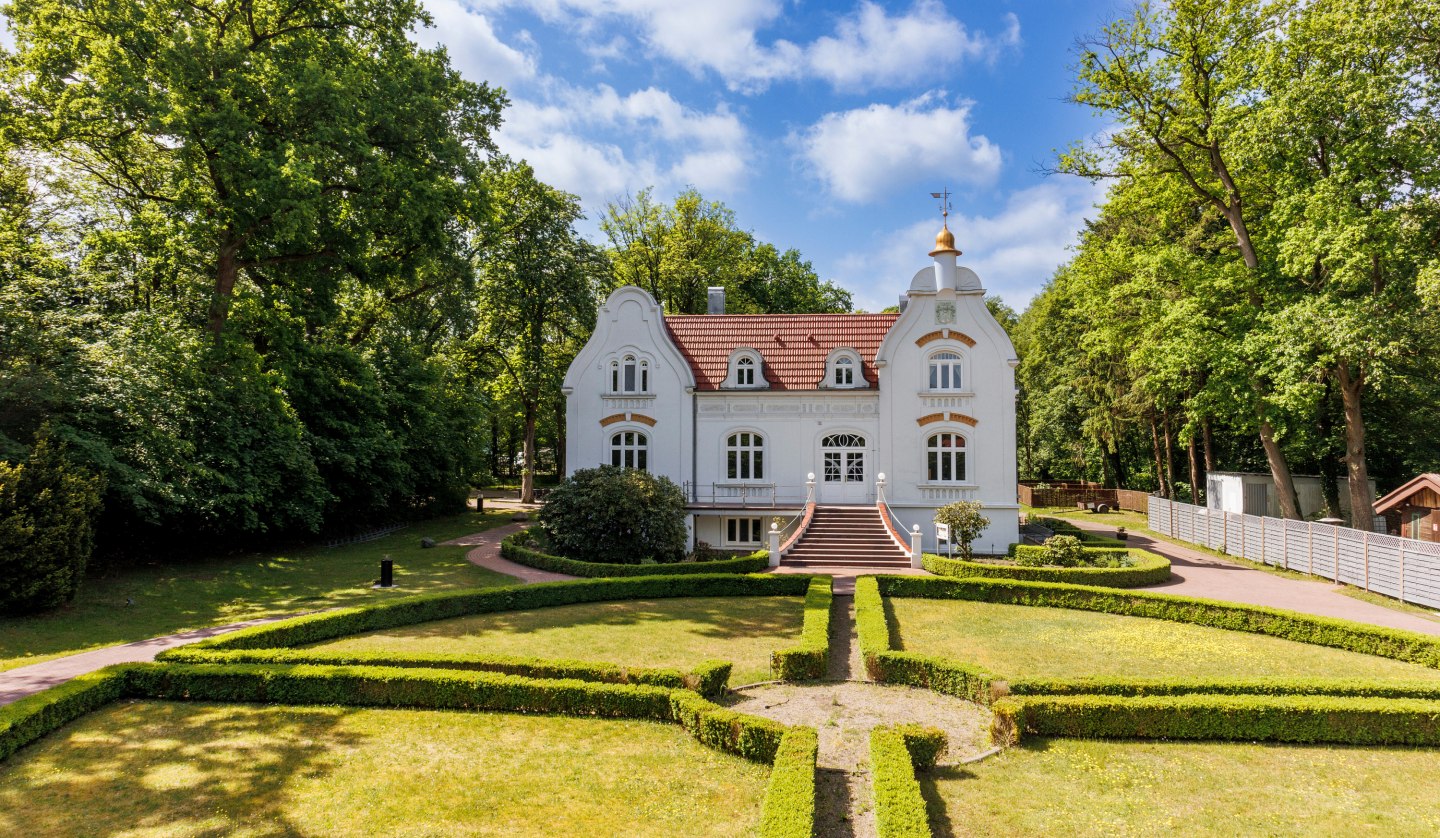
x=851, y=429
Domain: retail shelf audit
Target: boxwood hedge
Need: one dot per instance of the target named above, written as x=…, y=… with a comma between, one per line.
x=1149, y=569
x=811, y=659
x=789, y=810
x=512, y=549
x=1059, y=526
x=1310, y=719
x=32, y=717
x=899, y=803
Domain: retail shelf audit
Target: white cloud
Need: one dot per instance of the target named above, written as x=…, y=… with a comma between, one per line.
x=475, y=49
x=859, y=154
x=1014, y=251
x=600, y=144
x=870, y=47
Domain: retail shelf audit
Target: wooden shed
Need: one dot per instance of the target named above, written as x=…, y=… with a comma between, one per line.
x=1413, y=510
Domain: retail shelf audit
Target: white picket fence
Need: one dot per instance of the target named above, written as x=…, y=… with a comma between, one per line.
x=1403, y=568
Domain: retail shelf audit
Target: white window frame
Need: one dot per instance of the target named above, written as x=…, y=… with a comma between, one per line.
x=745, y=371
x=732, y=528
x=744, y=456
x=630, y=447
x=945, y=371
x=629, y=375
x=853, y=370
x=955, y=456
x=749, y=375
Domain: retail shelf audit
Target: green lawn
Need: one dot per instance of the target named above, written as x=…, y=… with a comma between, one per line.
x=662, y=632
x=1023, y=641
x=145, y=769
x=175, y=597
x=1090, y=788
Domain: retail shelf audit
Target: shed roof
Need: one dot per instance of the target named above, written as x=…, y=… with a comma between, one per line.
x=1425, y=481
x=793, y=346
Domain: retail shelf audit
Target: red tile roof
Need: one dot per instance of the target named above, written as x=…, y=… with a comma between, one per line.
x=793, y=346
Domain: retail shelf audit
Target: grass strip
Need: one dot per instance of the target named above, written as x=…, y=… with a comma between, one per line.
x=512, y=549
x=789, y=810
x=899, y=804
x=810, y=660
x=887, y=666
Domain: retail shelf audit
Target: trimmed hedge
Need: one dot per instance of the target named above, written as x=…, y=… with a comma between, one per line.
x=899, y=805
x=1059, y=526
x=512, y=549
x=328, y=625
x=1304, y=628
x=924, y=743
x=1149, y=569
x=709, y=678
x=1426, y=690
x=751, y=737
x=810, y=660
x=35, y=716
x=1309, y=719
x=789, y=810
x=887, y=666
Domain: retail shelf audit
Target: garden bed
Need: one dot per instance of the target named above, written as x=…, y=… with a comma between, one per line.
x=525, y=548
x=1143, y=568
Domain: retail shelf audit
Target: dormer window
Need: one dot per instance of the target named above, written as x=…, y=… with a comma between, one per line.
x=945, y=371
x=842, y=370
x=630, y=375
x=745, y=372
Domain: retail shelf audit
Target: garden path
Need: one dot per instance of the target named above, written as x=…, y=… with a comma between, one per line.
x=486, y=554
x=1198, y=574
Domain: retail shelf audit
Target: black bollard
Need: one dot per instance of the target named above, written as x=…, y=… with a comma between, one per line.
x=387, y=573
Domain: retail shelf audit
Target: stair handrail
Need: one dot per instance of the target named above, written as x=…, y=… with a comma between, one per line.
x=893, y=525
x=804, y=516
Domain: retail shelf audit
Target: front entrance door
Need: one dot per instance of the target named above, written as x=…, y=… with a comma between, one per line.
x=842, y=469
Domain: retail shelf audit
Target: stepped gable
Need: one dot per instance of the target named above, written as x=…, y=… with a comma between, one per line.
x=794, y=346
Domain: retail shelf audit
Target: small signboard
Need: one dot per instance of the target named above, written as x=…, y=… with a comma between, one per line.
x=942, y=533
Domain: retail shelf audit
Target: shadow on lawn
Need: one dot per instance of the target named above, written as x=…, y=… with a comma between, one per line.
x=201, y=769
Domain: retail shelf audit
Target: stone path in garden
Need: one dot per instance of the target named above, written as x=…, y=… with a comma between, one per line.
x=1198, y=574
x=486, y=554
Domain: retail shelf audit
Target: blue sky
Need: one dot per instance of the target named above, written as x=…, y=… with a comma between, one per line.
x=824, y=125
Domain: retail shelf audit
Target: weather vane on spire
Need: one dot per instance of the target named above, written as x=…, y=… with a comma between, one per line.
x=944, y=198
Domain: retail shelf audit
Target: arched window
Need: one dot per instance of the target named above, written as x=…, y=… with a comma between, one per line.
x=945, y=371
x=947, y=458
x=644, y=376
x=844, y=372
x=628, y=370
x=745, y=371
x=745, y=456
x=844, y=458
x=614, y=376
x=628, y=450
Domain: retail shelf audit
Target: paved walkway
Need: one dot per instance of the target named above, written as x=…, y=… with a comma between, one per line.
x=1200, y=574
x=486, y=554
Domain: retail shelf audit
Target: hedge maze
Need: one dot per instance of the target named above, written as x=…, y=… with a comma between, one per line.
x=265, y=664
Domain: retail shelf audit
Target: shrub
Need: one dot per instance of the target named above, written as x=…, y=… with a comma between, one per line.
x=811, y=659
x=1355, y=687
x=1310, y=719
x=899, y=803
x=965, y=522
x=789, y=810
x=47, y=512
x=34, y=716
x=515, y=548
x=616, y=515
x=751, y=737
x=1101, y=567
x=1060, y=551
x=924, y=743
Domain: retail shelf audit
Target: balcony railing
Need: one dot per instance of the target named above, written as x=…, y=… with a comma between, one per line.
x=746, y=495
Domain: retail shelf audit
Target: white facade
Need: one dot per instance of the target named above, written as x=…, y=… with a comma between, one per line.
x=740, y=410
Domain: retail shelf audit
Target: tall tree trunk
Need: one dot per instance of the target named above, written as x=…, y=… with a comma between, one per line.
x=1329, y=463
x=527, y=472
x=1106, y=478
x=1159, y=461
x=1195, y=476
x=494, y=445
x=1169, y=456
x=1209, y=446
x=1279, y=472
x=1352, y=386
x=227, y=271
x=560, y=441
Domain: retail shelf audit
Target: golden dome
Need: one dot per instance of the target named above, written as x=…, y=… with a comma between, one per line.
x=944, y=242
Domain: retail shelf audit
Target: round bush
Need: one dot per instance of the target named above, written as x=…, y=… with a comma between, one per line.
x=616, y=515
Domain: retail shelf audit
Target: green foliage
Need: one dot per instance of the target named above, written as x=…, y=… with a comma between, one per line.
x=617, y=516
x=1275, y=622
x=47, y=512
x=708, y=679
x=1253, y=718
x=1104, y=566
x=1354, y=687
x=926, y=744
x=1060, y=526
x=34, y=716
x=341, y=622
x=515, y=548
x=751, y=737
x=1059, y=551
x=965, y=520
x=930, y=672
x=899, y=806
x=790, y=798
x=810, y=660
x=676, y=252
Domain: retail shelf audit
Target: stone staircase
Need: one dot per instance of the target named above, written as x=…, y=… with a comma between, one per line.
x=846, y=536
